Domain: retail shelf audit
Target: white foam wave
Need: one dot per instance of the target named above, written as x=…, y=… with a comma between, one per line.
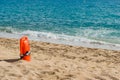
x=70, y=40
x=63, y=39
x=8, y=30
x=55, y=36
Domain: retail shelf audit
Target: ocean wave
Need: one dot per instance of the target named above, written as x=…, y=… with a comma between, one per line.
x=82, y=35
x=60, y=38
x=66, y=38
x=53, y=36
x=6, y=29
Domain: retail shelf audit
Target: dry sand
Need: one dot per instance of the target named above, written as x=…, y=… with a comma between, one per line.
x=57, y=62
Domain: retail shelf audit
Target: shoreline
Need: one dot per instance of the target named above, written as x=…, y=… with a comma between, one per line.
x=83, y=43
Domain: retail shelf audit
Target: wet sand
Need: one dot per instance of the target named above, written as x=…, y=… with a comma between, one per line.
x=57, y=62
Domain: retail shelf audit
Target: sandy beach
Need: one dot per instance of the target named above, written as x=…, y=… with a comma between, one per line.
x=57, y=62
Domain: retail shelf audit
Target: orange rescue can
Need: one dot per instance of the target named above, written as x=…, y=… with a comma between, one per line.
x=25, y=48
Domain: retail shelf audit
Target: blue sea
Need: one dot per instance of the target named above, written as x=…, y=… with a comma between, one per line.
x=74, y=22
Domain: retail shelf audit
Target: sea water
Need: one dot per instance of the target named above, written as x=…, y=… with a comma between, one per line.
x=75, y=22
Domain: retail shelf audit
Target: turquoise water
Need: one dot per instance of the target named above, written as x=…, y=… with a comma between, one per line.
x=69, y=20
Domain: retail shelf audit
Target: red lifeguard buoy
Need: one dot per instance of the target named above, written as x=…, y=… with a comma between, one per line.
x=25, y=48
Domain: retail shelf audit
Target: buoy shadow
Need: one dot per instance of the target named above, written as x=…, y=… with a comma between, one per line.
x=11, y=60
